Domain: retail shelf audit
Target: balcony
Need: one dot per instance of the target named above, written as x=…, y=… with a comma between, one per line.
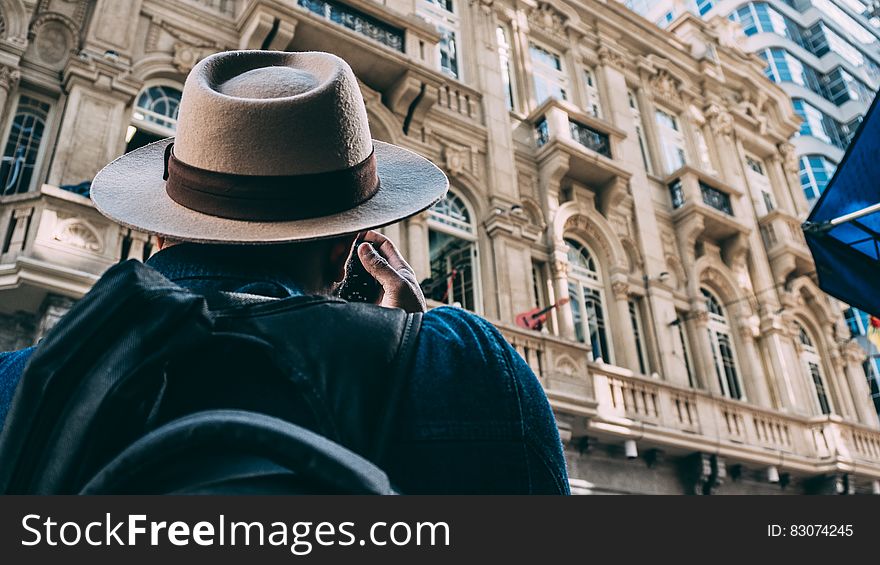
x=391, y=52
x=617, y=405
x=54, y=241
x=561, y=366
x=706, y=201
x=786, y=247
x=571, y=144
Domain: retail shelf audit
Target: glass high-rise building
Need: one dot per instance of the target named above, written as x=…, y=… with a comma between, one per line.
x=826, y=55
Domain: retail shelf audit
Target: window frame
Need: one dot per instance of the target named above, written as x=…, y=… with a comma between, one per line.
x=143, y=123
x=590, y=280
x=810, y=360
x=41, y=164
x=449, y=21
x=439, y=226
x=718, y=327
x=592, y=93
x=634, y=307
x=671, y=138
x=558, y=77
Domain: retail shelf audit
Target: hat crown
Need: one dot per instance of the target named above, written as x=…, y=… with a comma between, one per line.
x=272, y=113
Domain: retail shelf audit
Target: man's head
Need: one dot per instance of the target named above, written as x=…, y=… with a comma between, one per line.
x=316, y=266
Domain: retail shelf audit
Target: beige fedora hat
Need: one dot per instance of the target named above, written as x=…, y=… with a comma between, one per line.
x=271, y=147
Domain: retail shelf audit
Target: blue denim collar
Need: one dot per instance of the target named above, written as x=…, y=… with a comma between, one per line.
x=222, y=268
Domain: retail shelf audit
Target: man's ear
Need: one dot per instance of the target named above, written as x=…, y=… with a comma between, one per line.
x=340, y=250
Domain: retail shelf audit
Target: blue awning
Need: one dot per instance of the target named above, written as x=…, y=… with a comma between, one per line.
x=843, y=230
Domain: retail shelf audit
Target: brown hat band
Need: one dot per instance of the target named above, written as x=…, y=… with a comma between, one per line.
x=269, y=198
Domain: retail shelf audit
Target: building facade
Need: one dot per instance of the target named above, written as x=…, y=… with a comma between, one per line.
x=640, y=181
x=826, y=55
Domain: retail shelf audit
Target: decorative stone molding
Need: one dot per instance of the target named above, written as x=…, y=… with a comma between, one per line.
x=753, y=106
x=789, y=157
x=456, y=159
x=484, y=5
x=720, y=120
x=9, y=77
x=78, y=234
x=705, y=473
x=612, y=58
x=186, y=56
x=666, y=87
x=547, y=17
x=700, y=317
x=620, y=290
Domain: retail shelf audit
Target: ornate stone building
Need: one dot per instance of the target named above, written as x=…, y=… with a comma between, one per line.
x=643, y=176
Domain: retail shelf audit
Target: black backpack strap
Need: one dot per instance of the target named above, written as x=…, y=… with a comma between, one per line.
x=350, y=362
x=129, y=322
x=401, y=371
x=231, y=451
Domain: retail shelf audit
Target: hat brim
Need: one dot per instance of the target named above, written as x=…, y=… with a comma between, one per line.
x=131, y=191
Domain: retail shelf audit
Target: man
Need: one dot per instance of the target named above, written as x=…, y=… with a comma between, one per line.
x=275, y=148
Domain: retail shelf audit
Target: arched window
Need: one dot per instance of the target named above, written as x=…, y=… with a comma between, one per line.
x=154, y=116
x=723, y=353
x=812, y=366
x=23, y=145
x=452, y=245
x=586, y=293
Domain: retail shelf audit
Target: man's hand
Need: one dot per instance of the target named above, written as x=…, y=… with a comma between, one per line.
x=383, y=261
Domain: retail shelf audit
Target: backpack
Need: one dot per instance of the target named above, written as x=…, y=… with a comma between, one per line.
x=145, y=387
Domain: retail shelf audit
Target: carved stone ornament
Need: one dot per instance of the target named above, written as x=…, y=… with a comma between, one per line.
x=186, y=56
x=720, y=120
x=455, y=159
x=620, y=290
x=78, y=234
x=789, y=157
x=665, y=86
x=701, y=317
x=52, y=42
x=484, y=5
x=611, y=58
x=548, y=17
x=9, y=77
x=560, y=268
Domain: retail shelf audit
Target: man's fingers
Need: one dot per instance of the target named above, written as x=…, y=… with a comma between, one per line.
x=377, y=266
x=387, y=249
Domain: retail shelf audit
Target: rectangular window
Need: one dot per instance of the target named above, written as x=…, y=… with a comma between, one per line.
x=444, y=15
x=21, y=155
x=821, y=394
x=730, y=382
x=548, y=73
x=506, y=62
x=635, y=317
x=685, y=353
x=671, y=141
x=815, y=173
x=640, y=129
x=453, y=270
x=703, y=149
x=591, y=89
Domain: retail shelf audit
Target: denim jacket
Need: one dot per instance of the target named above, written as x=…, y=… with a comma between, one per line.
x=473, y=416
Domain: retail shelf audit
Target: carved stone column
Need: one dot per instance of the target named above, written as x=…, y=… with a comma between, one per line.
x=417, y=245
x=704, y=356
x=752, y=376
x=559, y=271
x=622, y=332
